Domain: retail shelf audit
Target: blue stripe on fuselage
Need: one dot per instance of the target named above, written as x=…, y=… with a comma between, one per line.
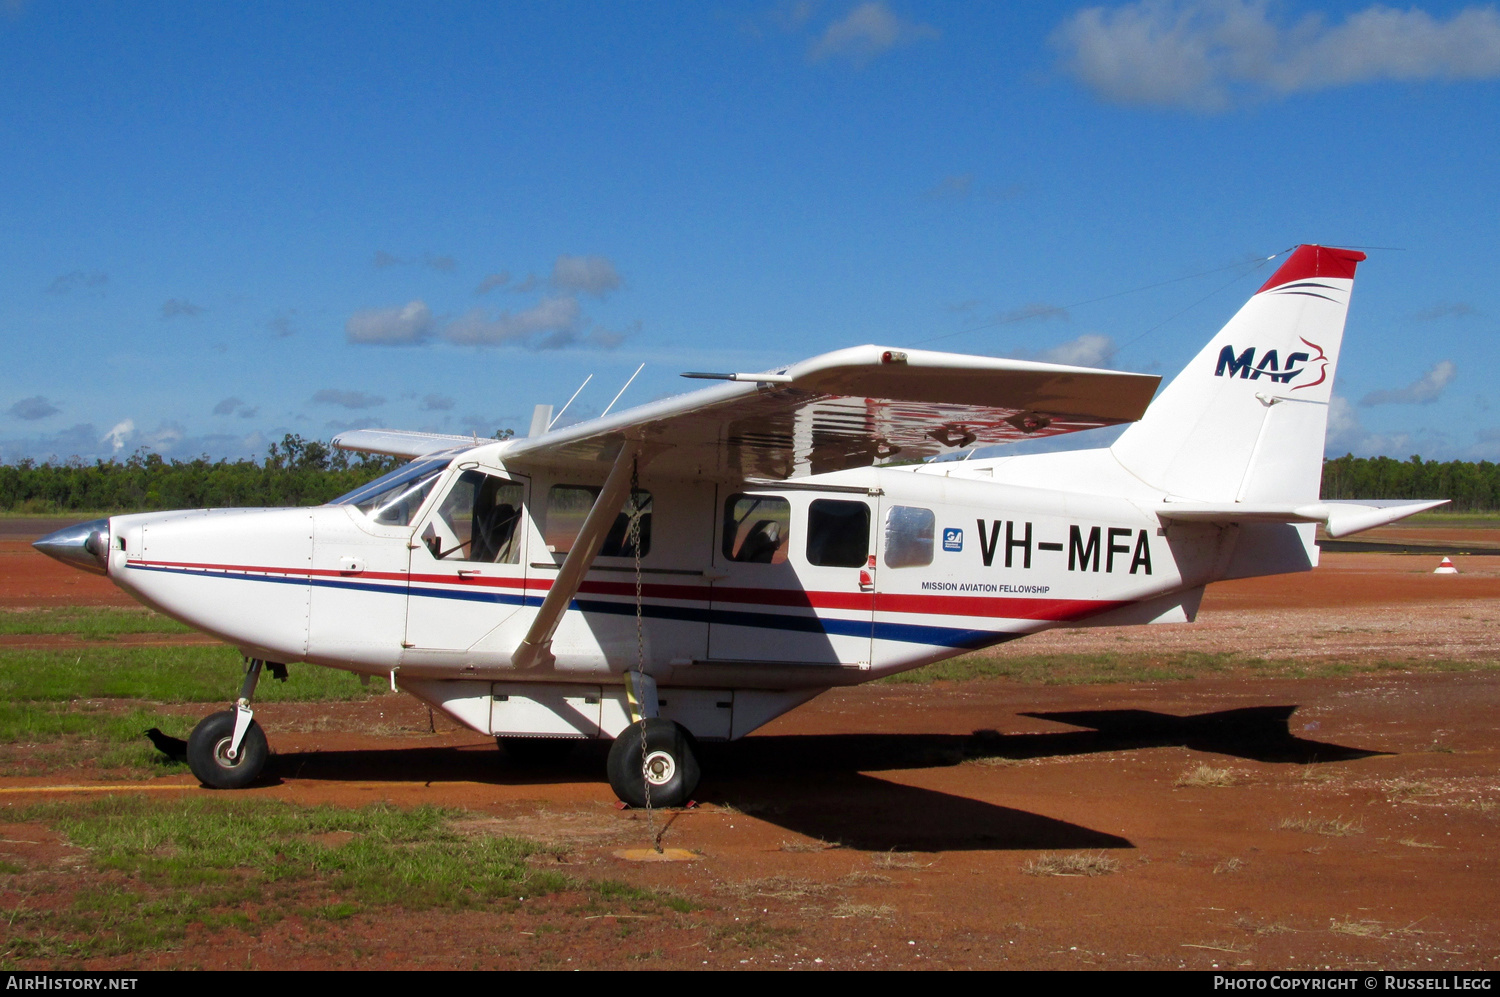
x=907, y=633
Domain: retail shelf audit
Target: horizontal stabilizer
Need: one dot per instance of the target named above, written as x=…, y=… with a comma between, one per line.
x=401, y=443
x=1340, y=517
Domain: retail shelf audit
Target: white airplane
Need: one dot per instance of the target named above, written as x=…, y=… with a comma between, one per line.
x=695, y=567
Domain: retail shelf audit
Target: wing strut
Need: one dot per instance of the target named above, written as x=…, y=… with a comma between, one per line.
x=535, y=648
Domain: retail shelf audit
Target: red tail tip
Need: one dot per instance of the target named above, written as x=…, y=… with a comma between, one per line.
x=1315, y=261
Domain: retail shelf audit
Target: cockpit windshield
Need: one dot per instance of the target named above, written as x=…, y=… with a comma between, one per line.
x=393, y=499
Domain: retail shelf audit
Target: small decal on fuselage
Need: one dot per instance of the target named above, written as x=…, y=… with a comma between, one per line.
x=953, y=538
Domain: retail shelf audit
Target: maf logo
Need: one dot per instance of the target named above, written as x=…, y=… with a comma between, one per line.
x=1270, y=366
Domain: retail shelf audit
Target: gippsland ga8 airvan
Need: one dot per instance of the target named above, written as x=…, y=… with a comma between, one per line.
x=690, y=569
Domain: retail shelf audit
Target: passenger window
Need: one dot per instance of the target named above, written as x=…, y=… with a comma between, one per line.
x=838, y=533
x=757, y=529
x=477, y=521
x=908, y=536
x=568, y=506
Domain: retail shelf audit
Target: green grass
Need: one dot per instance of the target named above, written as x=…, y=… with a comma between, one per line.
x=48, y=738
x=1478, y=520
x=1094, y=669
x=56, y=714
x=90, y=623
x=163, y=674
x=157, y=867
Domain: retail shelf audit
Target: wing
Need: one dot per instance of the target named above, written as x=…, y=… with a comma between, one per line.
x=847, y=409
x=402, y=443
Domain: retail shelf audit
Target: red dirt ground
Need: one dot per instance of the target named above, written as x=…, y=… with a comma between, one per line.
x=892, y=826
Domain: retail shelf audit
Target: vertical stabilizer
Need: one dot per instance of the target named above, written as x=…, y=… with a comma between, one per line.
x=1245, y=421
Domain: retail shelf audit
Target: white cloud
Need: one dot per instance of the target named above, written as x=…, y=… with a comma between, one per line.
x=33, y=408
x=348, y=399
x=951, y=188
x=1212, y=54
x=410, y=323
x=1036, y=311
x=235, y=406
x=1423, y=391
x=492, y=281
x=79, y=280
x=1346, y=434
x=173, y=307
x=867, y=31
x=281, y=325
x=117, y=436
x=1456, y=309
x=591, y=275
x=549, y=324
x=1088, y=350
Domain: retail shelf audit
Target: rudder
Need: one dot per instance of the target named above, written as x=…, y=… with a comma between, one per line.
x=1245, y=420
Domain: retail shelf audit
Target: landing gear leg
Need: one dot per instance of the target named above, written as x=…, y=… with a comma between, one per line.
x=227, y=750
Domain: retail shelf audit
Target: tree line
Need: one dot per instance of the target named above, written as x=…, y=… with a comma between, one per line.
x=1473, y=486
x=296, y=472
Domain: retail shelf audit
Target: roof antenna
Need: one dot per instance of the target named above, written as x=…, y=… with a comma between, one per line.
x=622, y=391
x=559, y=415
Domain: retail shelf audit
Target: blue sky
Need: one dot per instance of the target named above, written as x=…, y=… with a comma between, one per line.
x=220, y=224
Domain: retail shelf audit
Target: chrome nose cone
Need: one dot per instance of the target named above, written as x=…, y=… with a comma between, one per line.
x=84, y=546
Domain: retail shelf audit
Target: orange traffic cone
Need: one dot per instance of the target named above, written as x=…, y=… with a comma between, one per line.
x=1446, y=568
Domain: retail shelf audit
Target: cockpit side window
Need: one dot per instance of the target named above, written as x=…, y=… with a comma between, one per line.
x=478, y=520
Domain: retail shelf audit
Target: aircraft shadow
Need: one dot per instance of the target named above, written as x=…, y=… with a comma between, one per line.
x=872, y=814
x=817, y=785
x=1255, y=733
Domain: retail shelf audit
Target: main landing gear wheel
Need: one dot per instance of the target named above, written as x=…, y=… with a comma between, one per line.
x=668, y=766
x=208, y=752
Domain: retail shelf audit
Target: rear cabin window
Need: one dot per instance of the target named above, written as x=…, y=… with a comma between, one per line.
x=838, y=533
x=757, y=529
x=477, y=521
x=568, y=506
x=908, y=536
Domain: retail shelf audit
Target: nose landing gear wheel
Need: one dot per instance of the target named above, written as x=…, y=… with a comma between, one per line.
x=667, y=766
x=208, y=752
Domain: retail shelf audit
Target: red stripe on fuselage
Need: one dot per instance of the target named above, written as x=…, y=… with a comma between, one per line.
x=991, y=607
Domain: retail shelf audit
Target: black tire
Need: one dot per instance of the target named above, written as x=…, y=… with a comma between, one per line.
x=668, y=749
x=208, y=743
x=537, y=750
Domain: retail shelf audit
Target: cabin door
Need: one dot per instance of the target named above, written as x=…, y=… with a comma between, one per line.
x=792, y=581
x=468, y=561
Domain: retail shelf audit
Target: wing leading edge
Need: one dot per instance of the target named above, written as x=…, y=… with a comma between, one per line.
x=848, y=409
